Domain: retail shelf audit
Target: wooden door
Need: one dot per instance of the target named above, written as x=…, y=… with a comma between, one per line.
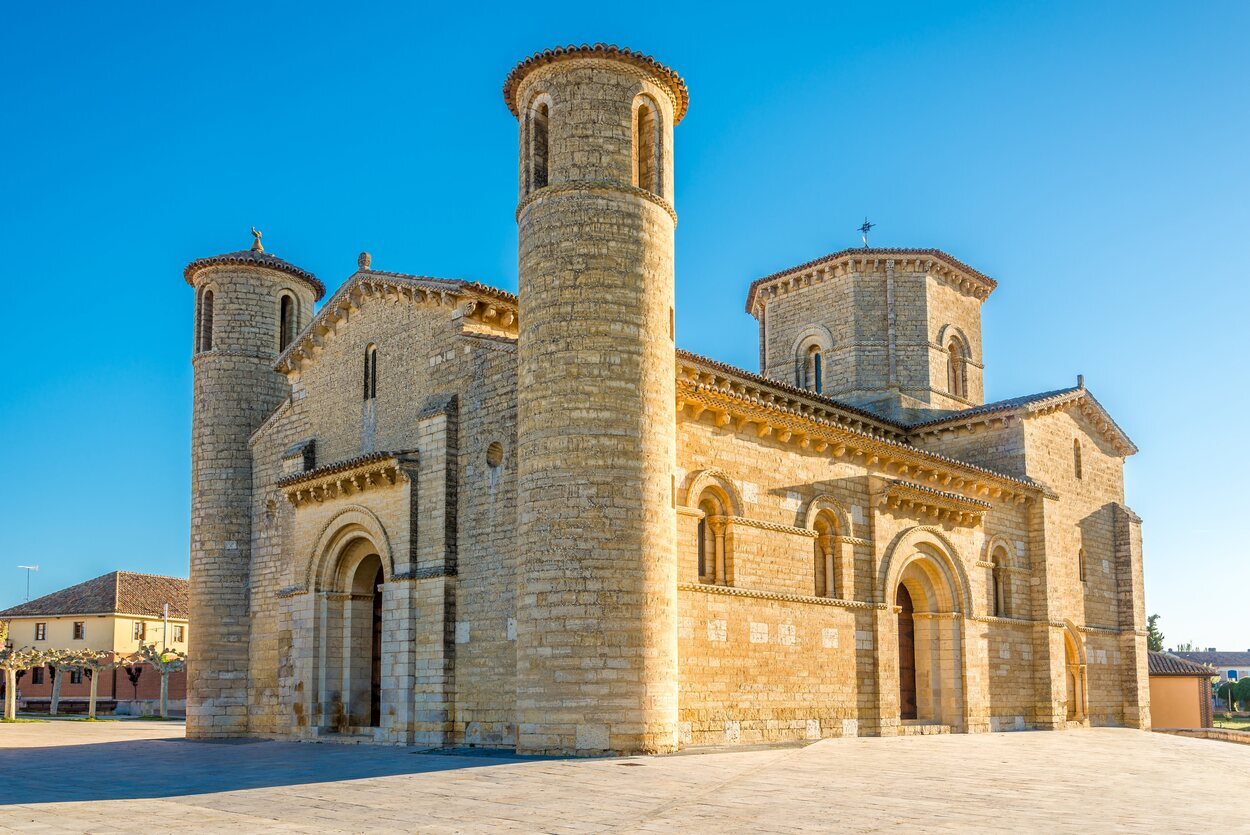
x=906, y=655
x=375, y=671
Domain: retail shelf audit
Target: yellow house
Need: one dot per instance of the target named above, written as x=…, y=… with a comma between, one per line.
x=115, y=612
x=1180, y=692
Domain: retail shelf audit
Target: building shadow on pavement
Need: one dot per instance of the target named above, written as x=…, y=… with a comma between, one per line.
x=175, y=767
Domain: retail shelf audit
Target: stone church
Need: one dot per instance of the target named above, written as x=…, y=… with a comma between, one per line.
x=432, y=512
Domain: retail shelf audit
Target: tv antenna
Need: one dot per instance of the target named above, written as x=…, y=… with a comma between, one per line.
x=30, y=569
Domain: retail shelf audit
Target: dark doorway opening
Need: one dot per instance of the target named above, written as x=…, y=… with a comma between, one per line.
x=375, y=667
x=906, y=654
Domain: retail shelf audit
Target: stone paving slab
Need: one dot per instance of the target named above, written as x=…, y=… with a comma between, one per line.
x=125, y=777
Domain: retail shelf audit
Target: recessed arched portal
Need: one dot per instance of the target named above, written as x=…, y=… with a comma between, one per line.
x=924, y=581
x=350, y=623
x=1074, y=665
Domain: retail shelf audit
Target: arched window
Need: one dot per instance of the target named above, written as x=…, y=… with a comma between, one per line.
x=956, y=373
x=648, y=171
x=826, y=527
x=204, y=336
x=1076, y=458
x=371, y=372
x=1000, y=607
x=711, y=542
x=813, y=370
x=286, y=321
x=1080, y=563
x=539, y=118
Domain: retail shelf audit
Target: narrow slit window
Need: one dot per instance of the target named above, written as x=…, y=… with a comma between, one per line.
x=813, y=371
x=538, y=149
x=371, y=373
x=647, y=159
x=956, y=382
x=206, y=321
x=1080, y=563
x=286, y=321
x=1076, y=459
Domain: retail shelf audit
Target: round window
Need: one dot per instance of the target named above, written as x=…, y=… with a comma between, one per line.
x=494, y=455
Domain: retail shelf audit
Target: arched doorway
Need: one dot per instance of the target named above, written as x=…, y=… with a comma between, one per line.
x=349, y=625
x=925, y=591
x=906, y=654
x=362, y=666
x=1074, y=667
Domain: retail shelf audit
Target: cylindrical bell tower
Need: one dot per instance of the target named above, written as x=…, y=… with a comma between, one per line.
x=248, y=305
x=596, y=424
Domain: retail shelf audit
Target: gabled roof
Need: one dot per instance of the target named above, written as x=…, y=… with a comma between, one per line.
x=260, y=259
x=1165, y=664
x=366, y=283
x=123, y=592
x=1077, y=397
x=1218, y=659
x=981, y=284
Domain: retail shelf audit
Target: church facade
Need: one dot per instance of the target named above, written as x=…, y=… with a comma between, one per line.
x=433, y=512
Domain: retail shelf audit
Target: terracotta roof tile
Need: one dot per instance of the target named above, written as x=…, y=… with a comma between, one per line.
x=1218, y=659
x=666, y=75
x=1165, y=664
x=873, y=252
x=262, y=259
x=118, y=591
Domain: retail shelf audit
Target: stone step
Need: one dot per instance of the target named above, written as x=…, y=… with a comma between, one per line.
x=916, y=727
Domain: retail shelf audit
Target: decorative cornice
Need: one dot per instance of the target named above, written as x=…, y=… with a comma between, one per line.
x=734, y=404
x=425, y=573
x=347, y=478
x=699, y=369
x=667, y=78
x=471, y=301
x=934, y=262
x=770, y=526
x=250, y=258
x=596, y=185
x=769, y=595
x=940, y=504
x=1002, y=412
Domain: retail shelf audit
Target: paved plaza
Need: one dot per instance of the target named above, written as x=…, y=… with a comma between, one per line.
x=133, y=776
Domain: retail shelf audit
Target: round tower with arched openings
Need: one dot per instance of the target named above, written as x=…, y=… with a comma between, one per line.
x=248, y=306
x=596, y=424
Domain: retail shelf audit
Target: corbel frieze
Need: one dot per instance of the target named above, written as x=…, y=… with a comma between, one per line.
x=348, y=478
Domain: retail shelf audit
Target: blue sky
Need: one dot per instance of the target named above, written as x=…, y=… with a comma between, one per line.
x=1091, y=157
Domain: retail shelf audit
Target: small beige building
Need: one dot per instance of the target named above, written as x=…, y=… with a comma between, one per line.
x=433, y=512
x=1180, y=692
x=113, y=613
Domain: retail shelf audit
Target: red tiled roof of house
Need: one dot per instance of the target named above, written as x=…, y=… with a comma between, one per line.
x=1165, y=664
x=123, y=592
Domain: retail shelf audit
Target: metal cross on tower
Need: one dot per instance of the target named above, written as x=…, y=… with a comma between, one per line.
x=863, y=231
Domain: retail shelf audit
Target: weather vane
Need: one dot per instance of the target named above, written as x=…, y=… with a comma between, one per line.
x=863, y=231
x=256, y=244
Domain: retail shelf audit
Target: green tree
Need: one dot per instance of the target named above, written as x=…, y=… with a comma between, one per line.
x=1154, y=638
x=1242, y=692
x=169, y=661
